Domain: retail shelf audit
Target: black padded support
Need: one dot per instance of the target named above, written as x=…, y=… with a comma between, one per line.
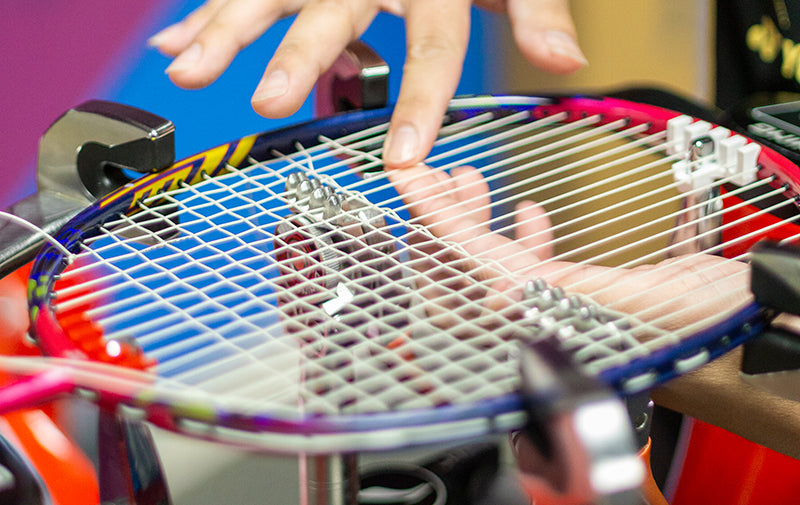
x=775, y=276
x=775, y=350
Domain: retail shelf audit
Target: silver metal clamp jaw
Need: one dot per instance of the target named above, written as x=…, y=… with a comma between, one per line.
x=88, y=152
x=358, y=79
x=330, y=250
x=578, y=444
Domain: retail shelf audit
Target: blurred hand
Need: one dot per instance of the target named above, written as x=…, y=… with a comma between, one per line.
x=206, y=42
x=675, y=292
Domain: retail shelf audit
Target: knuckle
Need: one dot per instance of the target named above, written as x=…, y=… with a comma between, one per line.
x=432, y=47
x=338, y=8
x=291, y=49
x=203, y=14
x=222, y=31
x=332, y=4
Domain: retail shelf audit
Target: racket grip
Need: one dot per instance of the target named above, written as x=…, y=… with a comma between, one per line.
x=35, y=390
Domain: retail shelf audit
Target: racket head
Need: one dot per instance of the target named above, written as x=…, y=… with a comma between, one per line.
x=295, y=337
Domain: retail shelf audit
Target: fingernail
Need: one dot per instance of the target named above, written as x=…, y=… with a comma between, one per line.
x=401, y=145
x=274, y=84
x=187, y=59
x=563, y=44
x=162, y=36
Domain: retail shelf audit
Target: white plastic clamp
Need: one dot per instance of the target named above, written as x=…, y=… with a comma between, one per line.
x=729, y=155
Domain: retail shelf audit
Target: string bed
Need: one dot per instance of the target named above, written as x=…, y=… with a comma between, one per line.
x=252, y=297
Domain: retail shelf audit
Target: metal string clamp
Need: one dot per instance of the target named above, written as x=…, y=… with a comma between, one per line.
x=580, y=428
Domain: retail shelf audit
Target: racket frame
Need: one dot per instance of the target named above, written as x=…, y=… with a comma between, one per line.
x=485, y=416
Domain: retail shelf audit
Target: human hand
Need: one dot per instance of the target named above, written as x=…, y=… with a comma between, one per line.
x=206, y=42
x=673, y=293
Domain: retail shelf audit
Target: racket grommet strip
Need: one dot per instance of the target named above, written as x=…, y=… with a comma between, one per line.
x=639, y=383
x=132, y=413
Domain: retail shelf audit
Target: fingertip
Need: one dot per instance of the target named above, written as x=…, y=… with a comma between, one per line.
x=470, y=180
x=554, y=51
x=171, y=41
x=273, y=85
x=161, y=37
x=189, y=69
x=186, y=60
x=464, y=171
x=532, y=212
x=402, y=146
x=534, y=228
x=563, y=44
x=273, y=108
x=277, y=96
x=530, y=205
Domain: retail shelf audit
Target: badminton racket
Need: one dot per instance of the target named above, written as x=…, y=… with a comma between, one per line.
x=279, y=292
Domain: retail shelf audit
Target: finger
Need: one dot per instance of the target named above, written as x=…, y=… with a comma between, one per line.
x=175, y=38
x=438, y=32
x=472, y=190
x=318, y=36
x=235, y=25
x=419, y=187
x=428, y=194
x=687, y=288
x=545, y=33
x=533, y=229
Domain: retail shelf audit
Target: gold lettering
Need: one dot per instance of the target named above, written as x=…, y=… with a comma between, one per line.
x=791, y=54
x=765, y=39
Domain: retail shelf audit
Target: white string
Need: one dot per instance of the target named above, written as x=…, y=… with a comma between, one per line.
x=263, y=200
x=32, y=227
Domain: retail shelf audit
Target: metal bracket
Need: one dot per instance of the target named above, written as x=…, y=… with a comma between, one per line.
x=359, y=79
x=578, y=444
x=772, y=361
x=88, y=152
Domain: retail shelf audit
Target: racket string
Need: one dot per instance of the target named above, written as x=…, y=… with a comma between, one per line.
x=544, y=135
x=183, y=353
x=11, y=218
x=338, y=160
